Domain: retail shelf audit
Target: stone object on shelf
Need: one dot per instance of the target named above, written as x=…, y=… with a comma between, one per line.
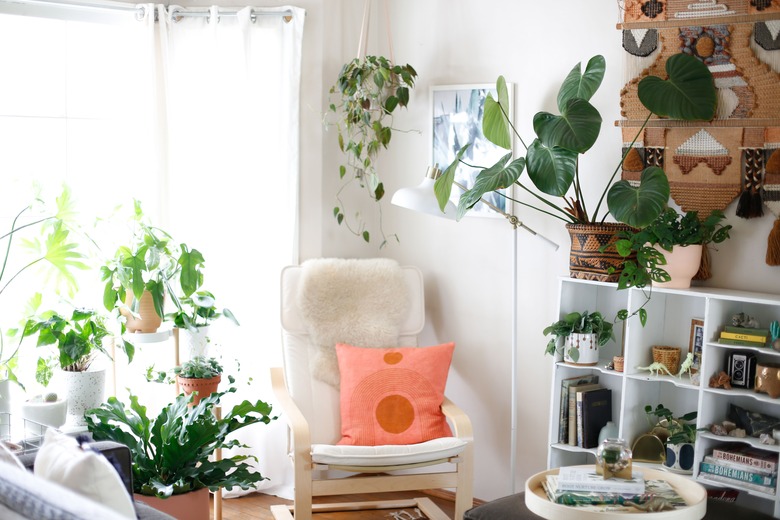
x=721, y=380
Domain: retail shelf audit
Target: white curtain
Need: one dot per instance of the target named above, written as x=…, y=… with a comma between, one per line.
x=227, y=115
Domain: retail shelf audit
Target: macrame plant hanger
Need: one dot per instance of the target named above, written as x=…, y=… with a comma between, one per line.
x=363, y=43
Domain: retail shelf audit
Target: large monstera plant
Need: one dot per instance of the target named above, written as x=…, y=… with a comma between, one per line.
x=552, y=158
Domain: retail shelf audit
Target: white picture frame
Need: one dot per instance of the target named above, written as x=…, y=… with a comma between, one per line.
x=456, y=119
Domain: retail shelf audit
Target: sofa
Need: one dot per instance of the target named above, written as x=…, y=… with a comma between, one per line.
x=24, y=495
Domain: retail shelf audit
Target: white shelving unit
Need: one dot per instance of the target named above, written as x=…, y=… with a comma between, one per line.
x=670, y=312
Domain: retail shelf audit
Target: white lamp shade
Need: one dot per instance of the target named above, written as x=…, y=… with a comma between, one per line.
x=422, y=198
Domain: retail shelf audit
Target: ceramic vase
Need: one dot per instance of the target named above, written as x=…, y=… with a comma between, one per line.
x=195, y=343
x=190, y=506
x=148, y=320
x=83, y=390
x=679, y=457
x=586, y=344
x=682, y=264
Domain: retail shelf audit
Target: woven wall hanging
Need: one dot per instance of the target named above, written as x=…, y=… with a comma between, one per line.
x=735, y=157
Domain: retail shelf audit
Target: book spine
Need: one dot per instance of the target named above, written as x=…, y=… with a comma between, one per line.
x=563, y=415
x=744, y=330
x=737, y=474
x=572, y=420
x=745, y=459
x=743, y=337
x=730, y=481
x=741, y=342
x=736, y=465
x=579, y=420
x=605, y=486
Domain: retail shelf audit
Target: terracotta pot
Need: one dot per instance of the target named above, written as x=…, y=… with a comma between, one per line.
x=204, y=387
x=586, y=344
x=187, y=506
x=148, y=321
x=586, y=260
x=682, y=264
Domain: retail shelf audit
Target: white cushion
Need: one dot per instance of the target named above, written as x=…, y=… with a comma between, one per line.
x=346, y=455
x=86, y=472
x=9, y=457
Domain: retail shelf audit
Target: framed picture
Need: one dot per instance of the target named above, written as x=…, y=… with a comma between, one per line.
x=457, y=112
x=696, y=342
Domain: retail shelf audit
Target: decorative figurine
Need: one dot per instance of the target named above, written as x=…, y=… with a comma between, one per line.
x=656, y=368
x=686, y=365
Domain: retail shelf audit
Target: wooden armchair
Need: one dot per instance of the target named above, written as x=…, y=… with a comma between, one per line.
x=311, y=409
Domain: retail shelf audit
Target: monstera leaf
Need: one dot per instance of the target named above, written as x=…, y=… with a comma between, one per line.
x=551, y=169
x=576, y=129
x=639, y=206
x=495, y=124
x=689, y=92
x=499, y=176
x=582, y=85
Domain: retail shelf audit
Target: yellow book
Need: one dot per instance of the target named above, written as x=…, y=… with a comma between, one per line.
x=743, y=337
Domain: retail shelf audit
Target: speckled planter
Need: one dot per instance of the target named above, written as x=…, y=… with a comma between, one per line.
x=195, y=344
x=5, y=407
x=83, y=390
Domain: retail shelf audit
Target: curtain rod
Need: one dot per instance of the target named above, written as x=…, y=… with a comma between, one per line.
x=139, y=9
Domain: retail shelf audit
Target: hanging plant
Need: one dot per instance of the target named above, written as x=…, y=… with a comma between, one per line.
x=368, y=91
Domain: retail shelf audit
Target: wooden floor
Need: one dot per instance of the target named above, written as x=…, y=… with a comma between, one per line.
x=256, y=506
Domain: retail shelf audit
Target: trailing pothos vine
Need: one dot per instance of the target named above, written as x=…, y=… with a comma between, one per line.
x=368, y=90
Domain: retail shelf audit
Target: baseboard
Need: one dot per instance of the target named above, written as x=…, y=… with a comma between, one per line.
x=449, y=495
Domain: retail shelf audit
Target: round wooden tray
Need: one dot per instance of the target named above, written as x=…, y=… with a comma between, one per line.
x=694, y=495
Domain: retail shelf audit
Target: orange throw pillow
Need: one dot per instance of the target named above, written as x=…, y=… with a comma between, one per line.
x=393, y=395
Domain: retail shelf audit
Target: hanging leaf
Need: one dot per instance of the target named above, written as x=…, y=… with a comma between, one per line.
x=689, y=93
x=495, y=124
x=583, y=86
x=551, y=169
x=442, y=187
x=639, y=206
x=576, y=129
x=499, y=176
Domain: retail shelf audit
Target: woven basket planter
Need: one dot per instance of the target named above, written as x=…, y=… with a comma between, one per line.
x=668, y=356
x=587, y=261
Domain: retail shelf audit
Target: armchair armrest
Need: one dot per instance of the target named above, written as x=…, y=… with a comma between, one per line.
x=460, y=420
x=301, y=434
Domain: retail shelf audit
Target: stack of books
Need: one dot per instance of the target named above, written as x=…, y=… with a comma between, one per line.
x=743, y=466
x=585, y=409
x=583, y=487
x=744, y=336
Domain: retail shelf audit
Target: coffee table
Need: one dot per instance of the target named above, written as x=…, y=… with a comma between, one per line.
x=694, y=495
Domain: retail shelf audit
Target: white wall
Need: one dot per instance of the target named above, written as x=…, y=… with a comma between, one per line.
x=468, y=264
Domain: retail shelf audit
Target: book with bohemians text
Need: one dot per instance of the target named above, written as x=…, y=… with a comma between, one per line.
x=748, y=456
x=737, y=474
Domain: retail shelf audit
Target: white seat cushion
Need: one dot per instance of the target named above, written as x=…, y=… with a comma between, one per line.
x=346, y=455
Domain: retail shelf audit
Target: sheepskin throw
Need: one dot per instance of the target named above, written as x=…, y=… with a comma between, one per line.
x=359, y=302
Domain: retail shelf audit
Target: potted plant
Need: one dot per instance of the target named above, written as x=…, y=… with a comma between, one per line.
x=552, y=158
x=78, y=340
x=678, y=435
x=184, y=470
x=194, y=316
x=200, y=375
x=139, y=275
x=367, y=92
x=582, y=334
x=672, y=240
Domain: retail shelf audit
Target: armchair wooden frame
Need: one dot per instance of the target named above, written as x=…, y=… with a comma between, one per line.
x=370, y=479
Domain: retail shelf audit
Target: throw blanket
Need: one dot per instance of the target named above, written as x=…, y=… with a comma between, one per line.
x=359, y=302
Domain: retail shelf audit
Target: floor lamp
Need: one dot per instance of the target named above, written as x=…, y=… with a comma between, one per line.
x=422, y=198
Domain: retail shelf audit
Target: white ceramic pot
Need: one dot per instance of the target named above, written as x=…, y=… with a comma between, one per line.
x=195, y=344
x=5, y=407
x=679, y=457
x=83, y=390
x=46, y=413
x=682, y=264
x=586, y=345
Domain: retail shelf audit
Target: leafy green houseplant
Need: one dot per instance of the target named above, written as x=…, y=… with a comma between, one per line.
x=552, y=158
x=51, y=245
x=199, y=310
x=78, y=340
x=672, y=430
x=578, y=323
x=668, y=231
x=367, y=92
x=171, y=453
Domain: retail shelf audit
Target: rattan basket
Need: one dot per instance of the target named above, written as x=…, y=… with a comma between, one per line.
x=669, y=356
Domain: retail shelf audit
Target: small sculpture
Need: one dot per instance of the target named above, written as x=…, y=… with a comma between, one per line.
x=656, y=368
x=686, y=365
x=744, y=320
x=655, y=504
x=722, y=380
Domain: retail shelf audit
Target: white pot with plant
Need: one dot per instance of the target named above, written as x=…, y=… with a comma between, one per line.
x=578, y=336
x=78, y=339
x=45, y=409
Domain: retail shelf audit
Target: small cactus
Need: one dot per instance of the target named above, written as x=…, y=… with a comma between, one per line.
x=50, y=397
